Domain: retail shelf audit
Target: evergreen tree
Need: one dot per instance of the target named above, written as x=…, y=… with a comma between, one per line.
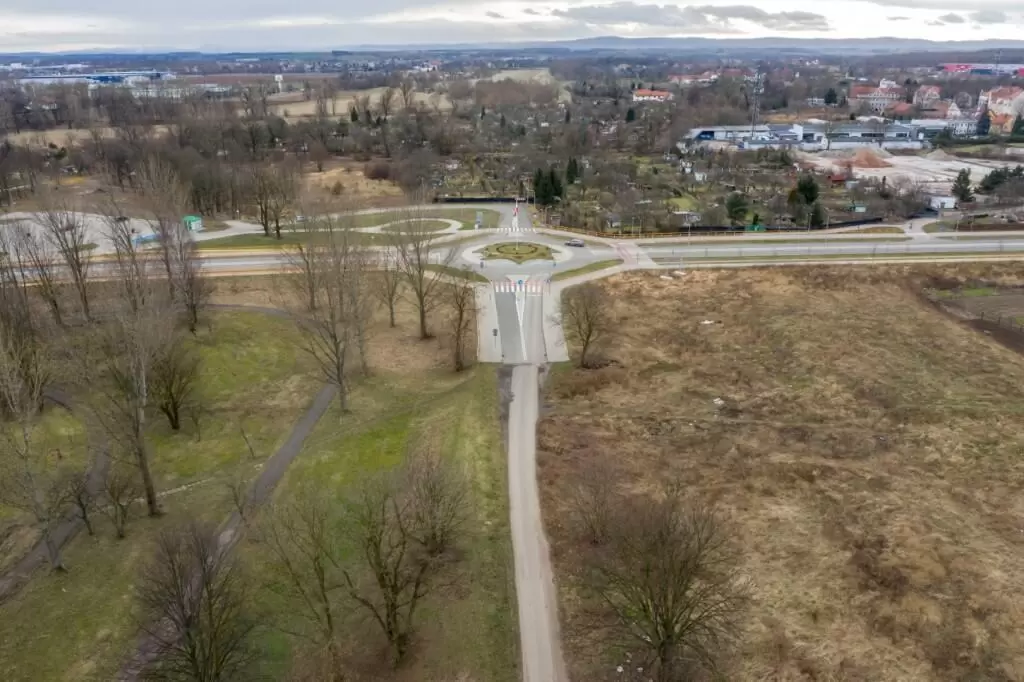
x=556, y=183
x=736, y=208
x=962, y=186
x=1018, y=126
x=353, y=115
x=807, y=188
x=483, y=112
x=501, y=121
x=984, y=124
x=568, y=116
x=817, y=217
x=630, y=115
x=831, y=97
x=571, y=171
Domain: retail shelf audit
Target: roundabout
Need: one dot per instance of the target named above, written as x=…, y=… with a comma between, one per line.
x=518, y=253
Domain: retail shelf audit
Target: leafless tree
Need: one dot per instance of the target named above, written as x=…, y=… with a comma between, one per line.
x=194, y=598
x=585, y=310
x=334, y=269
x=385, y=107
x=65, y=228
x=120, y=491
x=438, y=494
x=407, y=89
x=460, y=299
x=193, y=288
x=76, y=490
x=125, y=349
x=669, y=576
x=175, y=378
x=397, y=569
x=165, y=195
x=284, y=191
x=387, y=282
x=306, y=545
x=32, y=257
x=29, y=478
x=594, y=501
x=418, y=254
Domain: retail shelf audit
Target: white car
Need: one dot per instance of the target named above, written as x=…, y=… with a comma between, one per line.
x=575, y=242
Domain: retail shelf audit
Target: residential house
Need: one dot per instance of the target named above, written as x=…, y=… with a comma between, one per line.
x=1001, y=124
x=877, y=98
x=900, y=110
x=644, y=95
x=953, y=111
x=684, y=80
x=1004, y=100
x=926, y=95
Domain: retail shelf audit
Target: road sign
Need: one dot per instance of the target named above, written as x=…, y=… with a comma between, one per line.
x=494, y=332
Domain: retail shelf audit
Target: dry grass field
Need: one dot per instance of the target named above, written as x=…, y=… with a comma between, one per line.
x=292, y=110
x=866, y=450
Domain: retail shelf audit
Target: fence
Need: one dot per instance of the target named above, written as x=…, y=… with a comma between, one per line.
x=1011, y=322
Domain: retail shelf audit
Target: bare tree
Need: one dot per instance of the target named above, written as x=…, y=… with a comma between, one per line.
x=66, y=230
x=195, y=601
x=120, y=492
x=284, y=191
x=594, y=501
x=126, y=348
x=407, y=89
x=32, y=257
x=387, y=282
x=460, y=298
x=669, y=577
x=29, y=479
x=175, y=376
x=305, y=543
x=418, y=254
x=438, y=493
x=165, y=195
x=585, y=310
x=334, y=268
x=76, y=490
x=397, y=569
x=193, y=288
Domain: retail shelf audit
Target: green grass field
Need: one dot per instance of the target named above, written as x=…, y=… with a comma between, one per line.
x=77, y=626
x=466, y=627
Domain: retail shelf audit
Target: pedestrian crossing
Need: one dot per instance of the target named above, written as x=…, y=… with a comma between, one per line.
x=525, y=286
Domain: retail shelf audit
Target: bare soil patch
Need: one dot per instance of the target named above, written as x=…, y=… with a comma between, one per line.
x=864, y=445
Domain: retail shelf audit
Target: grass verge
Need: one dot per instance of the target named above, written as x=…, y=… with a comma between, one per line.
x=591, y=267
x=461, y=273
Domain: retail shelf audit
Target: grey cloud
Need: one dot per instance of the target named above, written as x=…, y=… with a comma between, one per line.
x=948, y=5
x=951, y=18
x=989, y=17
x=495, y=15
x=694, y=19
x=531, y=11
x=898, y=18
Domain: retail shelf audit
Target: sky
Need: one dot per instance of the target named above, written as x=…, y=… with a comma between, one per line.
x=262, y=25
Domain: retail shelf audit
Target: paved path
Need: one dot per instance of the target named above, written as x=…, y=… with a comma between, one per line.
x=271, y=473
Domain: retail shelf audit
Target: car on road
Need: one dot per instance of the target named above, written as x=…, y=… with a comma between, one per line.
x=575, y=242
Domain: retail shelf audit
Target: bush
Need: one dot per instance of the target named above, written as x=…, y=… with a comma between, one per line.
x=377, y=170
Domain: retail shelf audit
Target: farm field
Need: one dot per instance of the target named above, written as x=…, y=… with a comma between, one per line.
x=342, y=101
x=860, y=443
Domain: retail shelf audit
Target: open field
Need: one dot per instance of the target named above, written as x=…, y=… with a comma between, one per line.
x=344, y=100
x=935, y=174
x=864, y=451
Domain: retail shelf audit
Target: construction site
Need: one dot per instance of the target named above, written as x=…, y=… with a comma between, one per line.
x=934, y=171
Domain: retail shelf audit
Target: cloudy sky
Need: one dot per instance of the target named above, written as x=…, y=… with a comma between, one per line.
x=52, y=25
